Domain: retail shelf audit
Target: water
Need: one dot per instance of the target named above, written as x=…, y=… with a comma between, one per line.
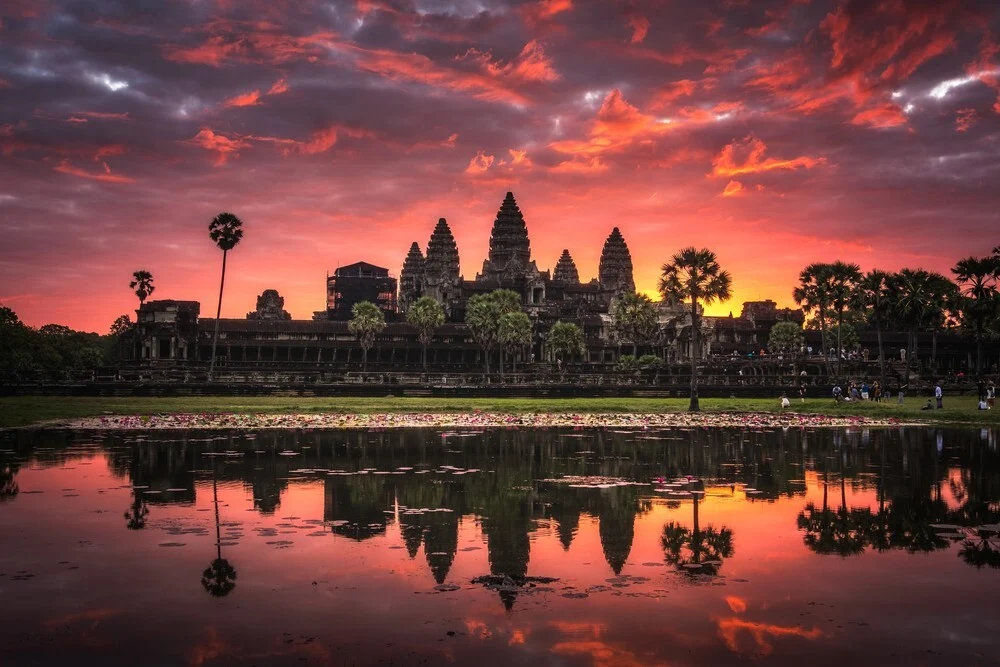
x=504, y=547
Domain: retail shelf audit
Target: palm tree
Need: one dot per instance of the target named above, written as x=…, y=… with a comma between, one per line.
x=225, y=230
x=813, y=294
x=942, y=300
x=844, y=279
x=368, y=321
x=977, y=282
x=695, y=275
x=142, y=283
x=920, y=299
x=425, y=315
x=873, y=297
x=513, y=333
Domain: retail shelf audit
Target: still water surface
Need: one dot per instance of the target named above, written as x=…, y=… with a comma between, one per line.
x=609, y=548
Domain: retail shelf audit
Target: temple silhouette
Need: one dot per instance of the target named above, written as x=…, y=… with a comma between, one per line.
x=173, y=331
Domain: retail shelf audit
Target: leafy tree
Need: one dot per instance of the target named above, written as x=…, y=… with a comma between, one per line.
x=847, y=335
x=368, y=321
x=226, y=231
x=513, y=333
x=119, y=329
x=649, y=361
x=425, y=315
x=785, y=338
x=482, y=316
x=142, y=283
x=634, y=320
x=695, y=275
x=977, y=283
x=566, y=339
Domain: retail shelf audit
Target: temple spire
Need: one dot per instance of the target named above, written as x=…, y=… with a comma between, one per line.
x=411, y=278
x=615, y=271
x=510, y=248
x=566, y=269
x=441, y=267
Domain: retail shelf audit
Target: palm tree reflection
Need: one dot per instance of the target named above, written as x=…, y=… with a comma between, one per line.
x=135, y=516
x=698, y=550
x=219, y=578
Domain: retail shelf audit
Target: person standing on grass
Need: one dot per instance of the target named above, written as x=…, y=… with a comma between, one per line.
x=991, y=395
x=938, y=394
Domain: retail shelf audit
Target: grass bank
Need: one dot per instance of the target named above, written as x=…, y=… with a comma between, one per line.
x=28, y=410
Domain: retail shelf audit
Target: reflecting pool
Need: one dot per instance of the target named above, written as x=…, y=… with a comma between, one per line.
x=568, y=547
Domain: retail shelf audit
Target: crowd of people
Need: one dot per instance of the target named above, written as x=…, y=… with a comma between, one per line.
x=865, y=391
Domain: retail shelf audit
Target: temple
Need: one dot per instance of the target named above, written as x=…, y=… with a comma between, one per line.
x=171, y=332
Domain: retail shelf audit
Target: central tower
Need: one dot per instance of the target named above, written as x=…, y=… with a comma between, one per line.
x=510, y=249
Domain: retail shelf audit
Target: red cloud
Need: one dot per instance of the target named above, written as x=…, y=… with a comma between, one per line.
x=747, y=157
x=531, y=65
x=640, y=27
x=543, y=10
x=964, y=119
x=584, y=166
x=672, y=91
x=882, y=116
x=280, y=86
x=418, y=68
x=246, y=100
x=65, y=167
x=109, y=151
x=733, y=189
x=249, y=41
x=224, y=147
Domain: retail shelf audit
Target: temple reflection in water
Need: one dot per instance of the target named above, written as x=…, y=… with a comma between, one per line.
x=512, y=485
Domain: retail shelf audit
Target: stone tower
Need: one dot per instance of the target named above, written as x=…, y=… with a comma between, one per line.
x=411, y=278
x=442, y=281
x=566, y=270
x=510, y=249
x=615, y=272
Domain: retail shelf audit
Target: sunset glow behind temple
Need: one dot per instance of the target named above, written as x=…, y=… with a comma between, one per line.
x=776, y=133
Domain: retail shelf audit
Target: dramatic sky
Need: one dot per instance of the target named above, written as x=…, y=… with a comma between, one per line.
x=775, y=132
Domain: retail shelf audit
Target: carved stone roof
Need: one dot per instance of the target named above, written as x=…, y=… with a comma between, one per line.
x=615, y=271
x=510, y=249
x=442, y=254
x=566, y=270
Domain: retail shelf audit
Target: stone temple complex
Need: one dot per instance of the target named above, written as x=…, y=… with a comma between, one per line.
x=545, y=295
x=268, y=337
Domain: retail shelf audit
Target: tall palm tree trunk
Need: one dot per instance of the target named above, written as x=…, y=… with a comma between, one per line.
x=695, y=348
x=218, y=314
x=822, y=338
x=425, y=358
x=840, y=331
x=934, y=348
x=881, y=356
